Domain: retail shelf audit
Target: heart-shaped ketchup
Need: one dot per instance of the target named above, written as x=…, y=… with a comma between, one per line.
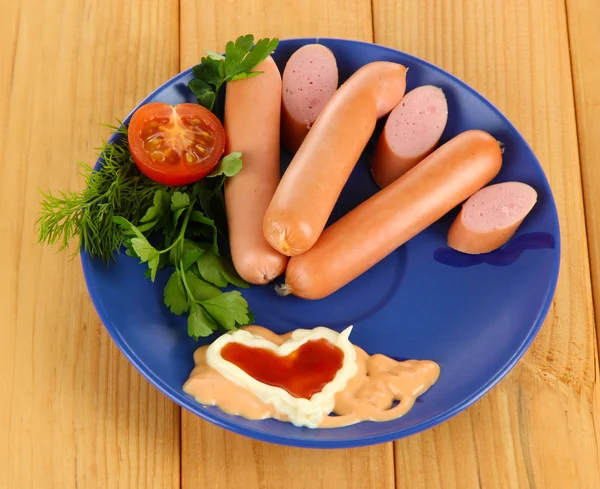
x=302, y=373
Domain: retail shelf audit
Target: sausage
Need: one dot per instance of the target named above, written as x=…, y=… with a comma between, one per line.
x=411, y=132
x=310, y=79
x=316, y=175
x=253, y=102
x=490, y=217
x=391, y=217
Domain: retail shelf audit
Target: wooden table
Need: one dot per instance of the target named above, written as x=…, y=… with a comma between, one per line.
x=75, y=414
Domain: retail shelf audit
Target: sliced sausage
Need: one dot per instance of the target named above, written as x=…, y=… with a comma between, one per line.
x=490, y=217
x=378, y=226
x=310, y=79
x=314, y=179
x=411, y=132
x=253, y=102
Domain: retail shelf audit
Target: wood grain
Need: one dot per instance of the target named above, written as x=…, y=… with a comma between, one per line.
x=231, y=460
x=539, y=427
x=73, y=412
x=584, y=27
x=212, y=23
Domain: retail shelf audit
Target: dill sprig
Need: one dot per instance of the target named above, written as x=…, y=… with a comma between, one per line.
x=118, y=188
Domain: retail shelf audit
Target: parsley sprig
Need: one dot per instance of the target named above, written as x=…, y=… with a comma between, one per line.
x=165, y=226
x=215, y=69
x=200, y=268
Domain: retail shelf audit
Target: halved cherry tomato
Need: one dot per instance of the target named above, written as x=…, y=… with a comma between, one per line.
x=175, y=145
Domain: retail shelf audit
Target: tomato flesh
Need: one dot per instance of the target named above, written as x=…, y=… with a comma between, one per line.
x=175, y=145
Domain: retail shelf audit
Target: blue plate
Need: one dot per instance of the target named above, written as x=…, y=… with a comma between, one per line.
x=475, y=316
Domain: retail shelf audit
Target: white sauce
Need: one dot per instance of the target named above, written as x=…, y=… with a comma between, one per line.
x=301, y=412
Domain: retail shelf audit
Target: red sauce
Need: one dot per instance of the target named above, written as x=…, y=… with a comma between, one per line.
x=302, y=373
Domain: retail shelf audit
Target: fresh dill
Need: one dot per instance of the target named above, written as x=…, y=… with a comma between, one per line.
x=118, y=188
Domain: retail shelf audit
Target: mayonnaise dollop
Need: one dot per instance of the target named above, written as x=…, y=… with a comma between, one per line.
x=301, y=412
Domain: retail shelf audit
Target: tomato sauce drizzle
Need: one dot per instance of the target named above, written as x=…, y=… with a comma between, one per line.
x=302, y=373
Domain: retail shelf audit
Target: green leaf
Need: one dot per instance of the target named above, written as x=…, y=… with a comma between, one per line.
x=209, y=225
x=174, y=294
x=197, y=216
x=229, y=165
x=144, y=249
x=215, y=56
x=201, y=290
x=228, y=309
x=153, y=266
x=190, y=256
x=235, y=53
x=176, y=216
x=208, y=71
x=260, y=51
x=204, y=93
x=212, y=203
x=229, y=272
x=176, y=253
x=241, y=76
x=127, y=226
x=210, y=268
x=218, y=270
x=200, y=323
x=179, y=200
x=161, y=205
x=129, y=251
x=147, y=226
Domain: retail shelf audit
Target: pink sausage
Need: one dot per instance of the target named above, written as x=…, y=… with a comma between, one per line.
x=310, y=79
x=411, y=132
x=490, y=217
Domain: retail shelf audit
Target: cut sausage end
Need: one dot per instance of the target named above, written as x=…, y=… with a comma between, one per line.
x=411, y=132
x=310, y=79
x=490, y=217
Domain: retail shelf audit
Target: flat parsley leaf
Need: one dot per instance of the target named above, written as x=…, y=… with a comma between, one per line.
x=158, y=209
x=201, y=290
x=127, y=227
x=218, y=270
x=190, y=256
x=229, y=165
x=179, y=200
x=174, y=294
x=144, y=249
x=204, y=93
x=200, y=323
x=214, y=69
x=228, y=309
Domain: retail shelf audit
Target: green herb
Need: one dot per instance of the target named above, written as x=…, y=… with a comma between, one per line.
x=199, y=269
x=117, y=189
x=162, y=225
x=215, y=69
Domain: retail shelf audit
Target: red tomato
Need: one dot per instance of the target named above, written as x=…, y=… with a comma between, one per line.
x=175, y=145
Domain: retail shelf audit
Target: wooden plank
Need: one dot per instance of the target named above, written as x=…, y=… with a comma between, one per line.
x=539, y=427
x=213, y=22
x=73, y=412
x=583, y=21
x=231, y=460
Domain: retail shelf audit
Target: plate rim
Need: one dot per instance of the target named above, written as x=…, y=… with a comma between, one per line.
x=249, y=432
